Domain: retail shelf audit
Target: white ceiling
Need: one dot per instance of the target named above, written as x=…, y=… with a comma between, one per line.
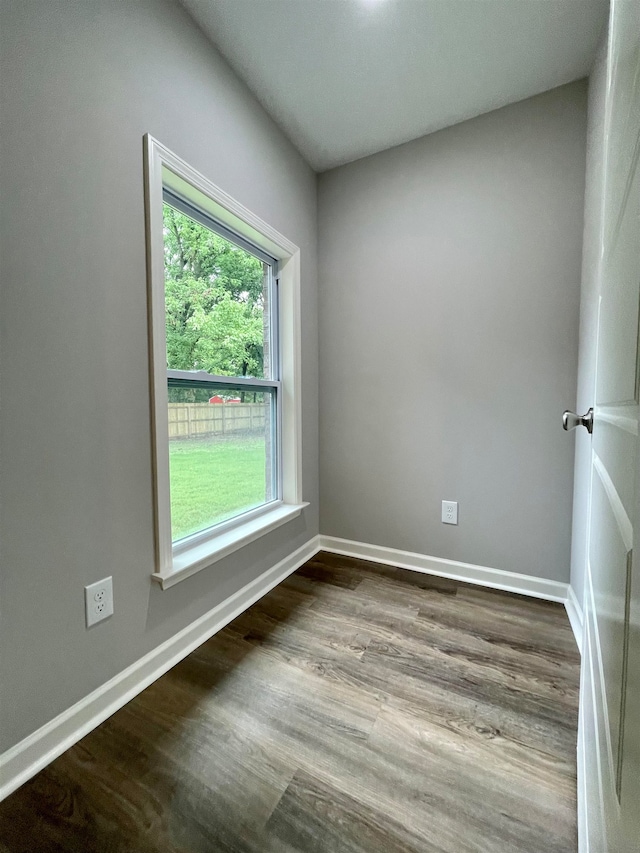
x=347, y=78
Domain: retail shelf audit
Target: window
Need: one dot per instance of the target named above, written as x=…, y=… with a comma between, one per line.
x=223, y=372
x=224, y=324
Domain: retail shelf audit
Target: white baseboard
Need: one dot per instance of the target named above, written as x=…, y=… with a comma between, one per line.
x=466, y=572
x=26, y=758
x=574, y=612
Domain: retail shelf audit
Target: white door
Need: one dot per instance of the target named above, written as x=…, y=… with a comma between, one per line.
x=609, y=739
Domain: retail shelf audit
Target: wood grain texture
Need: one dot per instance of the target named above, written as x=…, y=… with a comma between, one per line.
x=356, y=708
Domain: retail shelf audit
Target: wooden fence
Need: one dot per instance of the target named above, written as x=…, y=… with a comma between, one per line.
x=199, y=420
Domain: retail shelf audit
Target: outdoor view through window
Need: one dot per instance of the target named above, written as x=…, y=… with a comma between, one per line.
x=222, y=439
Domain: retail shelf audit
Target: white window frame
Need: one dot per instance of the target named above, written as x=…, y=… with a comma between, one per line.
x=176, y=561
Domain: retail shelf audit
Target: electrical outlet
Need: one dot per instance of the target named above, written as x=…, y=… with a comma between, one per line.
x=98, y=601
x=450, y=512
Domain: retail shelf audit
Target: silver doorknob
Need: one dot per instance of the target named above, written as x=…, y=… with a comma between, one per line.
x=570, y=420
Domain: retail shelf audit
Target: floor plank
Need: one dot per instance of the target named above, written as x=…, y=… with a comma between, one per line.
x=356, y=708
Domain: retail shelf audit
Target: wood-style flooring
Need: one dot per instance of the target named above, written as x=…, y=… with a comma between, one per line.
x=355, y=709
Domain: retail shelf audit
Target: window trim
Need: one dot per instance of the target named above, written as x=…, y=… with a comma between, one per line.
x=163, y=168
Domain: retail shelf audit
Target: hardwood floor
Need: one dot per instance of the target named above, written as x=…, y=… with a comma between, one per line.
x=354, y=709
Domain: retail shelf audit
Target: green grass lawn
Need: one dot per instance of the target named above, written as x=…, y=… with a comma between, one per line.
x=214, y=480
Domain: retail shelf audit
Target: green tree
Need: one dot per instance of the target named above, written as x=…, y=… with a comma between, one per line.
x=214, y=294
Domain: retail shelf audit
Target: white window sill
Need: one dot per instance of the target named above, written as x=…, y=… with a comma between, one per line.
x=204, y=554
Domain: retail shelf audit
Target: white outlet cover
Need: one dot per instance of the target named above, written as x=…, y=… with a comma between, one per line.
x=98, y=601
x=449, y=512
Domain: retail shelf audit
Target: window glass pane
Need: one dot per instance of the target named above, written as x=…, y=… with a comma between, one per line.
x=217, y=302
x=222, y=454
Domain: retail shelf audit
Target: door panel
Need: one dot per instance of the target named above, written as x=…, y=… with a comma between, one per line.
x=617, y=369
x=617, y=445
x=608, y=560
x=624, y=94
x=630, y=769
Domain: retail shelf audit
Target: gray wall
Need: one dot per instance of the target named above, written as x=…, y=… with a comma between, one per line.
x=450, y=272
x=593, y=213
x=82, y=82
